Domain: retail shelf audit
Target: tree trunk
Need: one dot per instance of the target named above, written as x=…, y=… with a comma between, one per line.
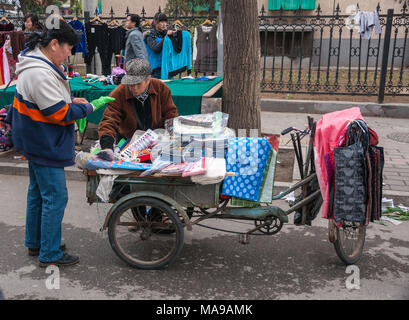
x=212, y=7
x=241, y=82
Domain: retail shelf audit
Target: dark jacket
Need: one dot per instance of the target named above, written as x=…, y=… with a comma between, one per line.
x=152, y=43
x=119, y=118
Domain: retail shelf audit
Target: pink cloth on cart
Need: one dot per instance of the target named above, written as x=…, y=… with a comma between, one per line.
x=329, y=130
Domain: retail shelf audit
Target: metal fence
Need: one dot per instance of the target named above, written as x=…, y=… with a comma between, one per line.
x=323, y=54
x=189, y=21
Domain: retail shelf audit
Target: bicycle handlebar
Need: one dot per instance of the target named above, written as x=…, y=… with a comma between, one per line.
x=284, y=132
x=288, y=130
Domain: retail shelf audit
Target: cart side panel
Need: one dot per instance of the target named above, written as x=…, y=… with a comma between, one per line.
x=183, y=191
x=192, y=195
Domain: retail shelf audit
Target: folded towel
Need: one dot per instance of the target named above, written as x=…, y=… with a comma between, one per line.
x=216, y=172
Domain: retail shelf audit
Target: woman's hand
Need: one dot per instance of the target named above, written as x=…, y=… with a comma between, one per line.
x=79, y=100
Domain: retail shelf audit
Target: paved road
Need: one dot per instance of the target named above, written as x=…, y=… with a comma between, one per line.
x=297, y=263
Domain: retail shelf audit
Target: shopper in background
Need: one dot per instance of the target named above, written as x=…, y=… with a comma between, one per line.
x=134, y=47
x=31, y=23
x=154, y=42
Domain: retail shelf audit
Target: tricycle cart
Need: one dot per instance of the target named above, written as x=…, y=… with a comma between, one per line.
x=147, y=220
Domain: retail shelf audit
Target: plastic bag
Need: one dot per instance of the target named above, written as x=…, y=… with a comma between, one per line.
x=157, y=165
x=81, y=159
x=163, y=142
x=105, y=187
x=208, y=124
x=117, y=71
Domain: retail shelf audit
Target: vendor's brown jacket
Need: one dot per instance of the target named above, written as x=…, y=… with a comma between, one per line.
x=119, y=115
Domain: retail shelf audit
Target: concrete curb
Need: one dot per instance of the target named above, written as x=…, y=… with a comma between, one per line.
x=396, y=110
x=21, y=169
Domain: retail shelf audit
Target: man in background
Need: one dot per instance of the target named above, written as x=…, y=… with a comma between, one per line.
x=135, y=47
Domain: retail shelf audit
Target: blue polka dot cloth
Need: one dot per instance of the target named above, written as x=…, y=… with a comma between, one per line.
x=247, y=158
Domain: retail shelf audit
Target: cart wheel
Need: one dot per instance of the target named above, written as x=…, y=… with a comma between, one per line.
x=349, y=243
x=142, y=239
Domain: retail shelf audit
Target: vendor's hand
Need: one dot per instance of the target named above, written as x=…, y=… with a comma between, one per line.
x=79, y=100
x=101, y=101
x=106, y=155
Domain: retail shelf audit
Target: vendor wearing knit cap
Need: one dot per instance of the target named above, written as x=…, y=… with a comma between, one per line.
x=141, y=103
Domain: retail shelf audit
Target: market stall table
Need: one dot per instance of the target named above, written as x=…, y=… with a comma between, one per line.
x=186, y=94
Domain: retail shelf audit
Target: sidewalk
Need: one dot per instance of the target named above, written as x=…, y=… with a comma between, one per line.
x=393, y=135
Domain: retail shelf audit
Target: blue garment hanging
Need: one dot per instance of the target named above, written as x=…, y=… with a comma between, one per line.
x=173, y=62
x=82, y=46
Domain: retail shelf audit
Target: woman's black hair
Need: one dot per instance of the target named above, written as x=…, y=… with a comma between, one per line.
x=34, y=19
x=137, y=19
x=160, y=16
x=64, y=34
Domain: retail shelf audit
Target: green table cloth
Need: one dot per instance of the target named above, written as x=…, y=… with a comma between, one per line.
x=186, y=94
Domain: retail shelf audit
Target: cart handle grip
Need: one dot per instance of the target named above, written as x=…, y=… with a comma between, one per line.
x=284, y=132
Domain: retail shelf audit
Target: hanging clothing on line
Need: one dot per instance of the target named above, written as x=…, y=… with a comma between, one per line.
x=2, y=80
x=6, y=67
x=82, y=46
x=97, y=39
x=17, y=41
x=367, y=22
x=174, y=62
x=12, y=62
x=7, y=61
x=6, y=27
x=116, y=40
x=177, y=41
x=205, y=48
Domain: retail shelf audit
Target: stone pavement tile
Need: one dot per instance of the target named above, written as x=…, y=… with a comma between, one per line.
x=390, y=172
x=400, y=188
x=398, y=161
x=404, y=174
x=402, y=169
x=394, y=182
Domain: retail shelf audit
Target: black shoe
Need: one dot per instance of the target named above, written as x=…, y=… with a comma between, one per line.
x=66, y=260
x=35, y=252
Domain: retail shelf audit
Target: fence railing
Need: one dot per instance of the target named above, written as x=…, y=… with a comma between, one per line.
x=322, y=54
